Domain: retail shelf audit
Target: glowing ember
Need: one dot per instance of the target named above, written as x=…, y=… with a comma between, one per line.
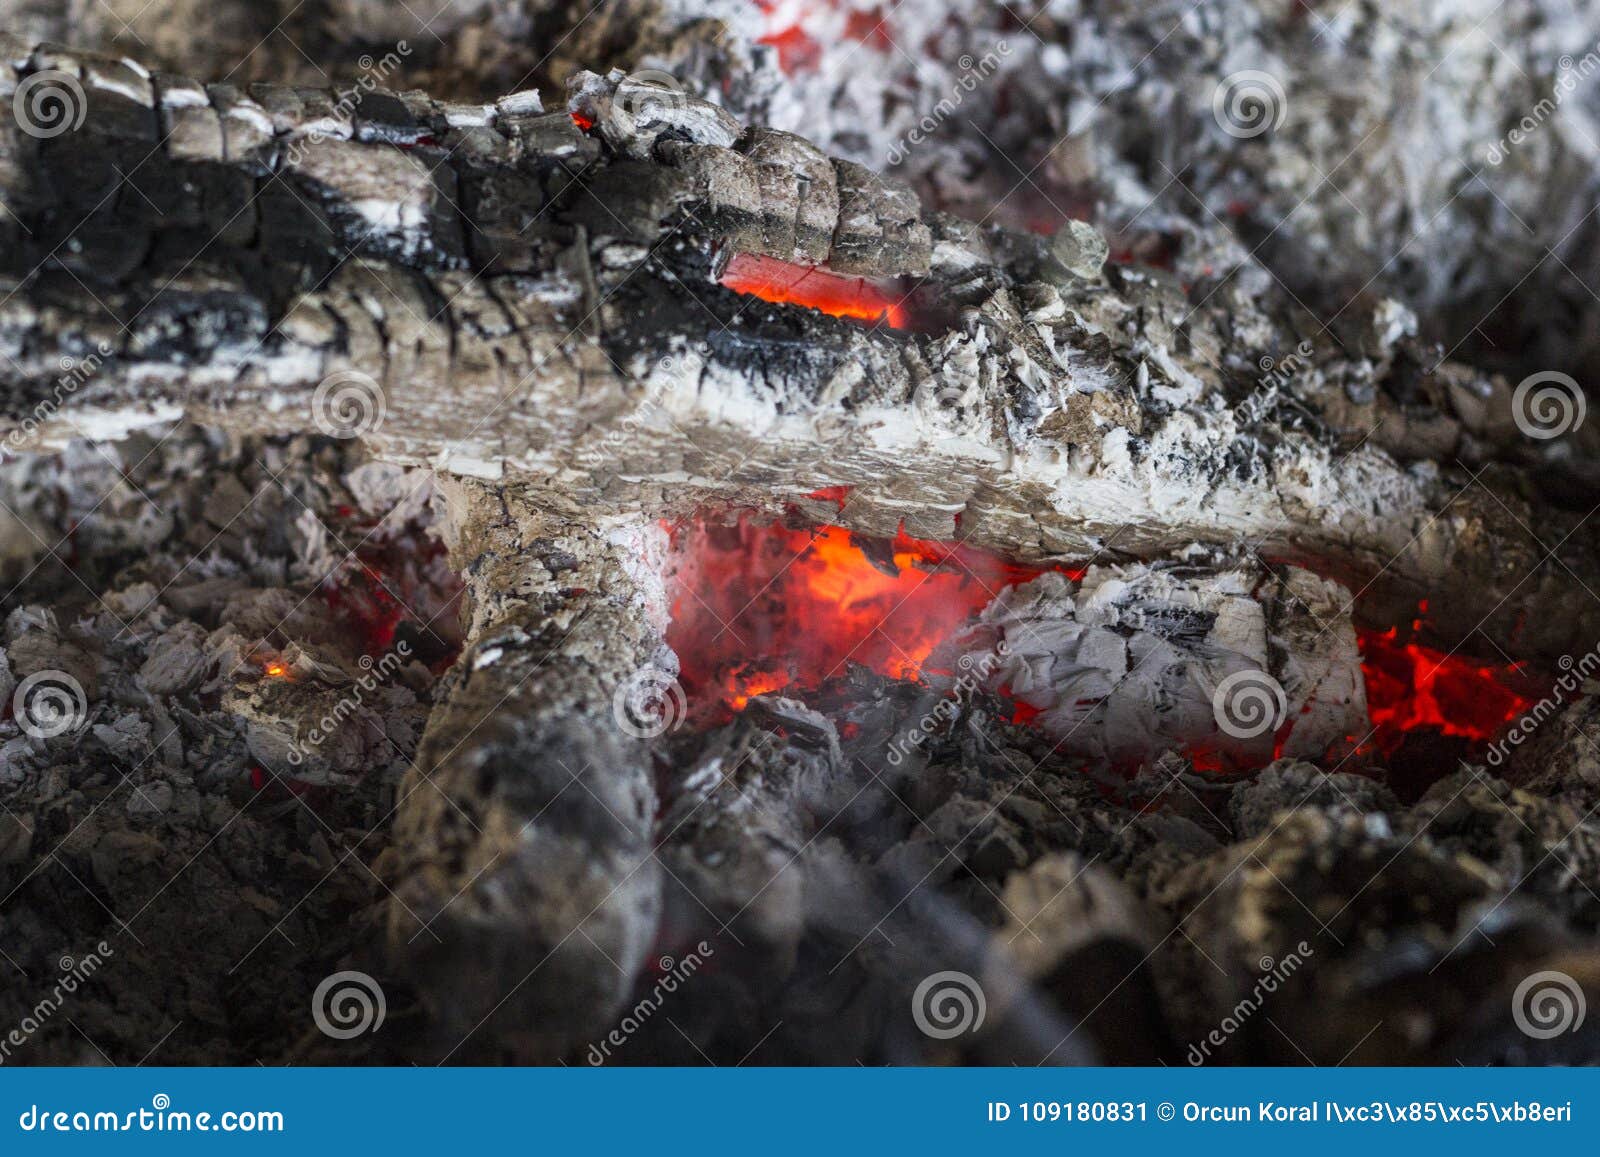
x=276, y=669
x=851, y=297
x=799, y=28
x=1415, y=688
x=763, y=607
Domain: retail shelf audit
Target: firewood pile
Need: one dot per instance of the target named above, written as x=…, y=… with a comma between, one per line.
x=737, y=531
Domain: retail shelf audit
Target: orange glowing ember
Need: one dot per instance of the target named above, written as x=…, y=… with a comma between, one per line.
x=276, y=670
x=764, y=607
x=782, y=283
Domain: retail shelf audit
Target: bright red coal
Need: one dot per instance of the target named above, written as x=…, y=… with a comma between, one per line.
x=765, y=607
x=1413, y=688
x=793, y=26
x=856, y=298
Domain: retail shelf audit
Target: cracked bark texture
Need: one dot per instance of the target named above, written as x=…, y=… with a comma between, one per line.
x=532, y=301
x=527, y=889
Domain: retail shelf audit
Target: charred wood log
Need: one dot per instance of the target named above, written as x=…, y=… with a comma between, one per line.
x=493, y=290
x=524, y=835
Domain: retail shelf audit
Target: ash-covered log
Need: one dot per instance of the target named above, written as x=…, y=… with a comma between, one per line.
x=498, y=291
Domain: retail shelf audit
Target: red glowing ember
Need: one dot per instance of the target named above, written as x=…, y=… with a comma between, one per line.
x=763, y=607
x=851, y=297
x=798, y=29
x=1415, y=688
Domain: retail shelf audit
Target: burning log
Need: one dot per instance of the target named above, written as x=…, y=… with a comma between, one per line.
x=943, y=541
x=528, y=892
x=542, y=331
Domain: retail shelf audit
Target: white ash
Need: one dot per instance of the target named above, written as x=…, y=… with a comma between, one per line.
x=1127, y=664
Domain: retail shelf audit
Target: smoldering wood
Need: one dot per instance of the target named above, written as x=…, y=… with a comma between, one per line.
x=528, y=888
x=526, y=307
x=537, y=303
